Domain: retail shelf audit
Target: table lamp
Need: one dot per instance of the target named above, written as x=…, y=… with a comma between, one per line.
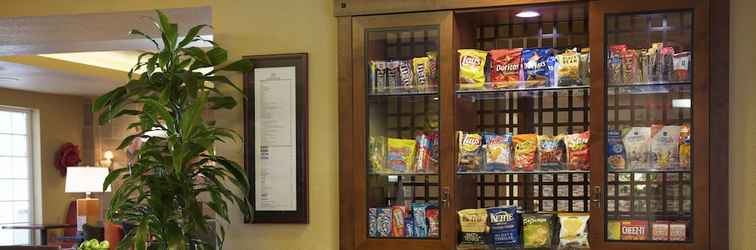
x=86, y=180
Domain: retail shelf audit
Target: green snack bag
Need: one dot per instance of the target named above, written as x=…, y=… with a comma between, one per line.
x=537, y=230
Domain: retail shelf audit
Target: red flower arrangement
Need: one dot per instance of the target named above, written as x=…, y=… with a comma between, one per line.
x=68, y=155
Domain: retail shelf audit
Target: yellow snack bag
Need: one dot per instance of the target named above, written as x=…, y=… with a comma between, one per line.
x=573, y=232
x=471, y=68
x=421, y=69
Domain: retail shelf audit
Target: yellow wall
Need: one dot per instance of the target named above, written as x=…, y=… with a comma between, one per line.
x=742, y=125
x=61, y=120
x=266, y=27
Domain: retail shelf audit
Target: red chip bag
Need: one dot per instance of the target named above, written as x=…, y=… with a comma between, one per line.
x=506, y=70
x=578, y=154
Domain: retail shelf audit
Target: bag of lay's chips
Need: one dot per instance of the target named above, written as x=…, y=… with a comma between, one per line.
x=471, y=68
x=539, y=66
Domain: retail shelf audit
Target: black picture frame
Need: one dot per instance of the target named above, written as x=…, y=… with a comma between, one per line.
x=299, y=61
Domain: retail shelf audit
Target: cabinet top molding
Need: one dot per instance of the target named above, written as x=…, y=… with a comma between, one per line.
x=372, y=7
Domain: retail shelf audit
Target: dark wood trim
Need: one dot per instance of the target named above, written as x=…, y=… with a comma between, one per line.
x=372, y=7
x=719, y=63
x=597, y=125
x=346, y=133
x=299, y=60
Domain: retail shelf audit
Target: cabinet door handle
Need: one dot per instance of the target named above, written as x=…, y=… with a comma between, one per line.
x=445, y=196
x=596, y=196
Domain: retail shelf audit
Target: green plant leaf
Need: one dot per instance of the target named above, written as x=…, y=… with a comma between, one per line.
x=191, y=34
x=217, y=56
x=142, y=34
x=112, y=176
x=222, y=102
x=242, y=66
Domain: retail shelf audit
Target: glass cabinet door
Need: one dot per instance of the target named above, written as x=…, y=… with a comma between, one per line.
x=405, y=197
x=649, y=122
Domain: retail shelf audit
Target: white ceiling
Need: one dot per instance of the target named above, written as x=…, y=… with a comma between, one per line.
x=59, y=52
x=36, y=79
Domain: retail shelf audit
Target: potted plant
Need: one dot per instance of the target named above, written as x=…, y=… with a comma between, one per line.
x=176, y=171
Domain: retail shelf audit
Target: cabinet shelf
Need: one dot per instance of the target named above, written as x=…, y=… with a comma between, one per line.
x=537, y=89
x=525, y=172
x=679, y=170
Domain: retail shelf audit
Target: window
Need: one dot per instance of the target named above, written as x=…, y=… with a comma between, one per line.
x=16, y=177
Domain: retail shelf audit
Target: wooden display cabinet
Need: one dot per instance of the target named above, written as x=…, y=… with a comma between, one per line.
x=373, y=33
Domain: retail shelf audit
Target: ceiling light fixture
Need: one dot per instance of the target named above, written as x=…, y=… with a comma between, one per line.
x=527, y=14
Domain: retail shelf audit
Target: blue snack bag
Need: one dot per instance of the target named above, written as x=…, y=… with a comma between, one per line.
x=539, y=65
x=420, y=220
x=383, y=222
x=615, y=152
x=409, y=227
x=372, y=222
x=505, y=226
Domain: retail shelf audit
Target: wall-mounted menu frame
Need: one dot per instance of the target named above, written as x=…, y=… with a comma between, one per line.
x=275, y=131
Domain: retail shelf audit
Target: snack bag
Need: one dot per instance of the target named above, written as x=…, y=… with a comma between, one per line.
x=667, y=60
x=471, y=68
x=377, y=155
x=525, y=146
x=585, y=66
x=684, y=146
x=498, y=152
x=433, y=76
x=551, y=152
x=506, y=70
x=578, y=151
x=378, y=75
x=401, y=153
x=568, y=72
x=614, y=63
x=423, y=154
x=654, y=62
x=505, y=226
x=665, y=141
x=392, y=75
x=660, y=230
x=630, y=66
x=398, y=213
x=613, y=230
x=634, y=230
x=678, y=231
x=573, y=232
x=420, y=219
x=431, y=214
x=615, y=152
x=434, y=160
x=372, y=222
x=637, y=148
x=470, y=152
x=537, y=230
x=422, y=72
x=405, y=75
x=473, y=226
x=681, y=66
x=409, y=227
x=539, y=67
x=383, y=222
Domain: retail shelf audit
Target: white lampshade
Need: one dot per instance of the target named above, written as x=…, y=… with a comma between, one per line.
x=85, y=179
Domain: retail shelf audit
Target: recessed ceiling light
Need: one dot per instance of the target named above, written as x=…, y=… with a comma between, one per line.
x=527, y=14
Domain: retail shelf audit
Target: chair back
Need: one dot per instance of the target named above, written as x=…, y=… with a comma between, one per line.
x=70, y=219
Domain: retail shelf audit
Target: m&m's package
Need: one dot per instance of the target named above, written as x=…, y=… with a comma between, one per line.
x=400, y=155
x=505, y=226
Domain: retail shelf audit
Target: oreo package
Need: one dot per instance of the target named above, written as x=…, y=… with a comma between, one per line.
x=420, y=221
x=538, y=64
x=505, y=226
